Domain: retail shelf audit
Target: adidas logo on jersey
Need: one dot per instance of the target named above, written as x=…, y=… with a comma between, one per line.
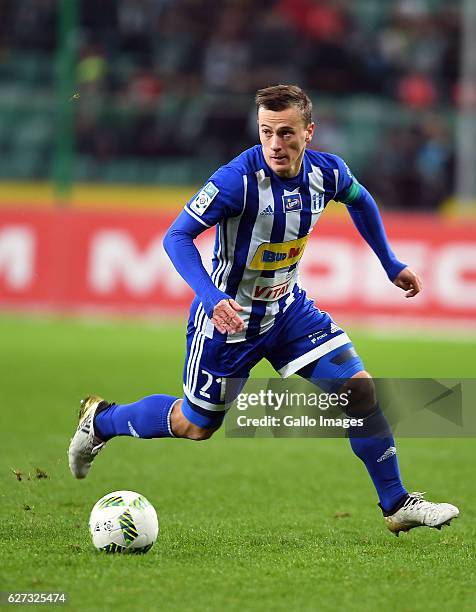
x=269, y=210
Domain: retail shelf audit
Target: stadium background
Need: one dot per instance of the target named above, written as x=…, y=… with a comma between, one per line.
x=112, y=114
x=132, y=105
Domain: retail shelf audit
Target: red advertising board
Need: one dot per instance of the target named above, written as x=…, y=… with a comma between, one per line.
x=78, y=260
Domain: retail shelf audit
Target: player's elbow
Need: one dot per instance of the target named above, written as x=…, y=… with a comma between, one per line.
x=167, y=241
x=174, y=239
x=171, y=240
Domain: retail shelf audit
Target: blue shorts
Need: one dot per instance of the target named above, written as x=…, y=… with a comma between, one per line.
x=305, y=341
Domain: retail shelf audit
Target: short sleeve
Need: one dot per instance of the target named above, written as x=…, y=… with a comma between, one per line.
x=222, y=196
x=347, y=186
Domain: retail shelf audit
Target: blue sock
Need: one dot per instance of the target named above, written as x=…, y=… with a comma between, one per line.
x=374, y=444
x=147, y=418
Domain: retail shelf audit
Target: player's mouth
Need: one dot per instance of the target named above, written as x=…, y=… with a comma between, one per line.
x=279, y=158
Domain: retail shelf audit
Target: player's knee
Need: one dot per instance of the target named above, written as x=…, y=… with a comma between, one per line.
x=199, y=433
x=183, y=428
x=362, y=396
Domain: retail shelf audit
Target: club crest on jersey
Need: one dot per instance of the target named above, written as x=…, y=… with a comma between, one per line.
x=317, y=202
x=204, y=198
x=292, y=202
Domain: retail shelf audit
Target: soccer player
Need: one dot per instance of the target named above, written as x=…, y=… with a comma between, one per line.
x=264, y=204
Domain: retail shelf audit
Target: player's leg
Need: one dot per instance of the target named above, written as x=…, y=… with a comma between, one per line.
x=162, y=416
x=155, y=416
x=183, y=427
x=149, y=417
x=196, y=417
x=100, y=420
x=373, y=443
x=327, y=357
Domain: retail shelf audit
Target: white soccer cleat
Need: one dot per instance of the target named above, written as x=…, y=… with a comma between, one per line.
x=418, y=512
x=85, y=444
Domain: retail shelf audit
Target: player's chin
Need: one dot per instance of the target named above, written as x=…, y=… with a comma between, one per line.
x=281, y=169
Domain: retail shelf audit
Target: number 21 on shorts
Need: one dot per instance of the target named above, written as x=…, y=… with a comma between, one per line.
x=212, y=388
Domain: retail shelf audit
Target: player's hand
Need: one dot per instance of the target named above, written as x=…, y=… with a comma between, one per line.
x=225, y=317
x=409, y=282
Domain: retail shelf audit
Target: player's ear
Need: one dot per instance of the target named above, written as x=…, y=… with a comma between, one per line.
x=310, y=132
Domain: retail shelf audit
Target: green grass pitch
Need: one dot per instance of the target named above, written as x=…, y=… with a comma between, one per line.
x=257, y=524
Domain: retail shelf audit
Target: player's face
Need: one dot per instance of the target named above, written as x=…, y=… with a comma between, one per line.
x=284, y=137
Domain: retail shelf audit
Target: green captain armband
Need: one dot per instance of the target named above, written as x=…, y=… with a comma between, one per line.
x=351, y=194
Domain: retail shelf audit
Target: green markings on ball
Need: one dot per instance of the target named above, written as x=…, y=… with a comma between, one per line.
x=113, y=548
x=140, y=502
x=129, y=530
x=112, y=501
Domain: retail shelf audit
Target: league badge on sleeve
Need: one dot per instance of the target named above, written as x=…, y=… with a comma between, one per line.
x=204, y=198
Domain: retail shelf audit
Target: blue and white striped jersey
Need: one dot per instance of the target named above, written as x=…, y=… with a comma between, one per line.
x=263, y=223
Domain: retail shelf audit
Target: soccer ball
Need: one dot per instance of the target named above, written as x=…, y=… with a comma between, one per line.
x=123, y=521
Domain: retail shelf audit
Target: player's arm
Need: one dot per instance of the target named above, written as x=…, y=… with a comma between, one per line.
x=366, y=217
x=221, y=197
x=180, y=247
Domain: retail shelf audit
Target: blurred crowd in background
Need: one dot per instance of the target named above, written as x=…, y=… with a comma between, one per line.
x=166, y=86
